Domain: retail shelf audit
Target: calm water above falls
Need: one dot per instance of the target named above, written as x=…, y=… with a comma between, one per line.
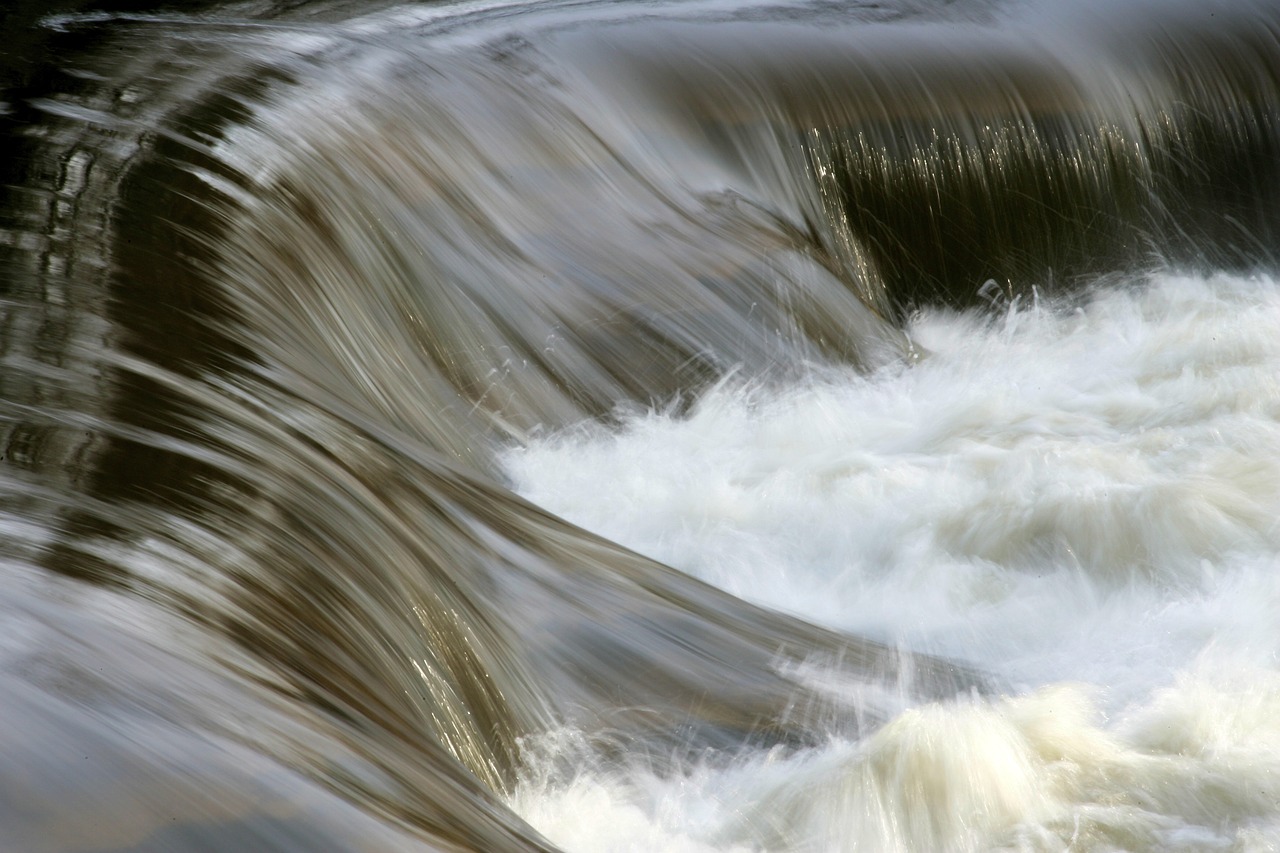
x=641, y=426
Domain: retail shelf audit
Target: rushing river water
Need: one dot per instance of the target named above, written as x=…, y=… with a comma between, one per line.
x=640, y=426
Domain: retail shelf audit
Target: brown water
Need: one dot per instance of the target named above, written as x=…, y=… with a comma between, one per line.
x=283, y=280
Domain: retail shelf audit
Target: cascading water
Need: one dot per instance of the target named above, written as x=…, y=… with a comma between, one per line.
x=610, y=426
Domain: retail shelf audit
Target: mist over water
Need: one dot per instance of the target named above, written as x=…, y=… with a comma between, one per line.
x=640, y=426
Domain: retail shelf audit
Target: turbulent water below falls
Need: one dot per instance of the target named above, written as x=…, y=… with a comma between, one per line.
x=640, y=426
x=1081, y=499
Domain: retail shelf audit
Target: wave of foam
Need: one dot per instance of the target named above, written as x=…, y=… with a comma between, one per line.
x=1080, y=497
x=1194, y=768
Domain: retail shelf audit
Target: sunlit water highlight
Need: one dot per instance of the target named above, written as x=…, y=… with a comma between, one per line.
x=1080, y=496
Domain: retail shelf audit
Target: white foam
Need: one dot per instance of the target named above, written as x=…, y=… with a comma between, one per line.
x=1070, y=496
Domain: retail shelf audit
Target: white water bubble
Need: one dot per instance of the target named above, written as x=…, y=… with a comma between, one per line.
x=1081, y=499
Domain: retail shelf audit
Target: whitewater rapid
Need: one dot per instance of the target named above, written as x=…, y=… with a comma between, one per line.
x=1079, y=496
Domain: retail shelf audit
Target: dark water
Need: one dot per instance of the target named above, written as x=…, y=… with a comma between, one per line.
x=282, y=279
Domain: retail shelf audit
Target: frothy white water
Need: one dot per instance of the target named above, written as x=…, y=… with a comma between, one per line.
x=1082, y=500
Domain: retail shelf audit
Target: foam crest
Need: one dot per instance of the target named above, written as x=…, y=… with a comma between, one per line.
x=1192, y=769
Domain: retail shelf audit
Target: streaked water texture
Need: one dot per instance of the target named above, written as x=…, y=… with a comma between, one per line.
x=640, y=426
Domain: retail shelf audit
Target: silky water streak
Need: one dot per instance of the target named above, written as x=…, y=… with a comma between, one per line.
x=640, y=427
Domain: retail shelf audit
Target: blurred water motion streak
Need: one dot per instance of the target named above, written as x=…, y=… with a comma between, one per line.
x=282, y=279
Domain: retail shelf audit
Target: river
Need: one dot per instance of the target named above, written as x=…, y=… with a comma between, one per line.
x=640, y=426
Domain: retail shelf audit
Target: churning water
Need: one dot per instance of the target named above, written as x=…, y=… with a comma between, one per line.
x=641, y=426
x=1081, y=499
